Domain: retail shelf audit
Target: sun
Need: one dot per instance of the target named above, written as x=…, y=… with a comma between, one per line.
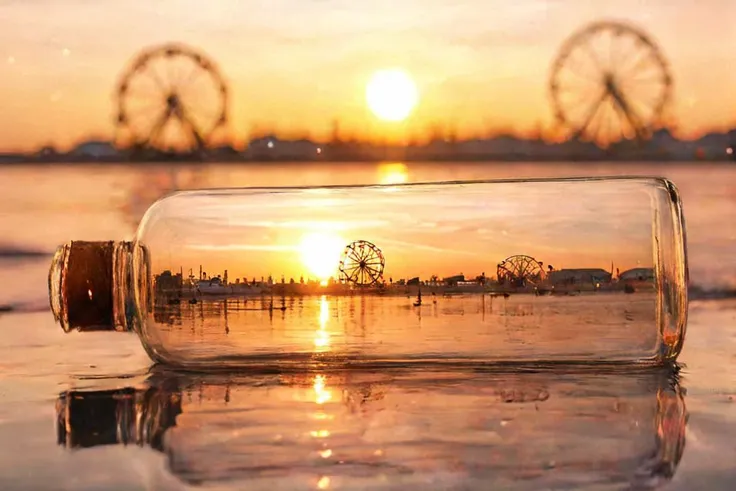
x=391, y=94
x=320, y=253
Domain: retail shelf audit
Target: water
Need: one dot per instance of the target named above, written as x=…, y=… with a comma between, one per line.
x=444, y=429
x=389, y=329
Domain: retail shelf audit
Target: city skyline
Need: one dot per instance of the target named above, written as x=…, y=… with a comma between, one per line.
x=285, y=71
x=442, y=146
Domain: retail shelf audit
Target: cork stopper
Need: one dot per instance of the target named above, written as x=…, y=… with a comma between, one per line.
x=81, y=286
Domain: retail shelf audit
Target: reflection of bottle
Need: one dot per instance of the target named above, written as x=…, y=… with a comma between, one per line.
x=526, y=430
x=571, y=314
x=124, y=416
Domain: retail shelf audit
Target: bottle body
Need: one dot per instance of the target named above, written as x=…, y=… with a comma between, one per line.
x=545, y=271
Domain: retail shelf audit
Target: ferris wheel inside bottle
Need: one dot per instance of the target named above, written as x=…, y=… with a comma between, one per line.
x=540, y=271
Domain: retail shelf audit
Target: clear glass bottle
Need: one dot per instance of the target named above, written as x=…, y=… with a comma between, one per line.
x=542, y=271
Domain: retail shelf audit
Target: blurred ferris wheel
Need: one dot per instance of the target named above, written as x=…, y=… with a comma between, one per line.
x=171, y=98
x=610, y=82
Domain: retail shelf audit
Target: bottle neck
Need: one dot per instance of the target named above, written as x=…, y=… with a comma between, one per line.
x=91, y=286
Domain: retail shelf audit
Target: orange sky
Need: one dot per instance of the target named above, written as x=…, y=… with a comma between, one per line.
x=421, y=231
x=298, y=64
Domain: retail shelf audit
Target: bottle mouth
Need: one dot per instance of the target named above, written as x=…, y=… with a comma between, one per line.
x=81, y=285
x=56, y=271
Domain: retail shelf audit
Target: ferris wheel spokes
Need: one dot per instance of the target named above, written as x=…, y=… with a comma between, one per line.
x=362, y=264
x=610, y=82
x=171, y=98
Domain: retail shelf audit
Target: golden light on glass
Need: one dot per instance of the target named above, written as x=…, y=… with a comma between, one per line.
x=325, y=454
x=391, y=94
x=320, y=433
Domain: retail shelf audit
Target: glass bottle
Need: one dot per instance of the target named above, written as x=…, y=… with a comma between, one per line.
x=542, y=271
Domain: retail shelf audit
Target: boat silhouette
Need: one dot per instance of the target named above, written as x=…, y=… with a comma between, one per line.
x=418, y=302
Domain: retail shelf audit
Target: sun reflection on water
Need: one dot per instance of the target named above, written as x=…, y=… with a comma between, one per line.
x=323, y=483
x=321, y=393
x=322, y=336
x=393, y=173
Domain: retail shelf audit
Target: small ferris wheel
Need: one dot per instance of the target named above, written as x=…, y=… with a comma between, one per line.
x=610, y=82
x=171, y=98
x=519, y=271
x=362, y=264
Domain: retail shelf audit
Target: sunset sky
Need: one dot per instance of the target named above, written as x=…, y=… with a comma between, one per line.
x=298, y=65
x=257, y=233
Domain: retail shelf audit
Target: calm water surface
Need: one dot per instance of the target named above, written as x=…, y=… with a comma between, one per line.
x=69, y=403
x=388, y=329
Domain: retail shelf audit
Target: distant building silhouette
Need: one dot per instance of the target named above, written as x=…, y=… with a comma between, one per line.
x=95, y=149
x=637, y=274
x=579, y=276
x=272, y=148
x=662, y=146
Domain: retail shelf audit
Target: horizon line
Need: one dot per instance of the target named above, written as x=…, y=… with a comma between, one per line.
x=415, y=140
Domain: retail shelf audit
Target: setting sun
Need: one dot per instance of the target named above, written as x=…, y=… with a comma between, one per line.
x=391, y=94
x=320, y=253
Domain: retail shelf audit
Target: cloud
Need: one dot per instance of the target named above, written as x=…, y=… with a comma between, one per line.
x=244, y=247
x=305, y=225
x=425, y=247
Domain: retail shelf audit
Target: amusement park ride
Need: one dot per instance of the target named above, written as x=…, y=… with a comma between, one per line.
x=363, y=263
x=171, y=99
x=519, y=271
x=609, y=82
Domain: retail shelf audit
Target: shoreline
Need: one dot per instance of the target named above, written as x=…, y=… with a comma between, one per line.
x=411, y=291
x=81, y=162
